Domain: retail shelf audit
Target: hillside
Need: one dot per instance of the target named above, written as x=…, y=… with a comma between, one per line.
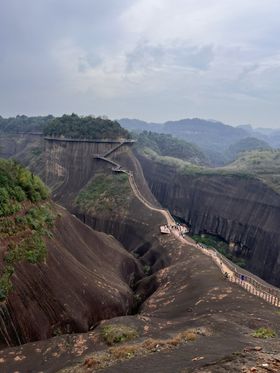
x=56, y=274
x=212, y=137
x=167, y=145
x=24, y=220
x=263, y=164
x=247, y=144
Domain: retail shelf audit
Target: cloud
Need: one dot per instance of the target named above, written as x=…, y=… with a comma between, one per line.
x=155, y=59
x=169, y=56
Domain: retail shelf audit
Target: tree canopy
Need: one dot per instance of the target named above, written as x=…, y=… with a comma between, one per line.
x=24, y=124
x=73, y=126
x=17, y=184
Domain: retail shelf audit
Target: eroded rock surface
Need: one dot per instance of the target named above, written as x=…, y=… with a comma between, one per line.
x=239, y=210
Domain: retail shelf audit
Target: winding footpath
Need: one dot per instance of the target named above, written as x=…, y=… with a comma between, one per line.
x=251, y=285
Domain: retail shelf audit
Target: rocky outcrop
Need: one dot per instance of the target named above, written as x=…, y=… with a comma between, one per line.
x=239, y=210
x=87, y=277
x=136, y=227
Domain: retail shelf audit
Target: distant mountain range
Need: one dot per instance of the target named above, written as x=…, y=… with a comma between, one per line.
x=270, y=135
x=220, y=142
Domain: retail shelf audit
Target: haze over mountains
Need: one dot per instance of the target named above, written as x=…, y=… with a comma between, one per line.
x=219, y=141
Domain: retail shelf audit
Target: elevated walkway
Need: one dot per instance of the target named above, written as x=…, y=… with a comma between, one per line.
x=109, y=152
x=97, y=141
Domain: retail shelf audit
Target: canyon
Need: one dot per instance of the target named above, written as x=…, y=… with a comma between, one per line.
x=241, y=210
x=160, y=286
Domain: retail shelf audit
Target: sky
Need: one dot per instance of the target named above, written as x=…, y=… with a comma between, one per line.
x=155, y=60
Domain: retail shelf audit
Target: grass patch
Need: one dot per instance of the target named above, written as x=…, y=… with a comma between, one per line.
x=107, y=193
x=113, y=334
x=123, y=352
x=264, y=333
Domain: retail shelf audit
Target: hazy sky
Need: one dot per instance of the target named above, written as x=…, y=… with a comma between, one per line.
x=149, y=59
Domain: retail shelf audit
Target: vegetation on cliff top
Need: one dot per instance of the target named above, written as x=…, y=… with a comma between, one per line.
x=25, y=217
x=24, y=124
x=106, y=193
x=17, y=184
x=73, y=126
x=188, y=168
x=245, y=145
x=261, y=164
x=167, y=145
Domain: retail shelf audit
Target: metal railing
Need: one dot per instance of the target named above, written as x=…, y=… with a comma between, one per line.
x=251, y=284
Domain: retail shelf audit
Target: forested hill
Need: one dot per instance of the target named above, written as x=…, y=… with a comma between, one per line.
x=220, y=142
x=73, y=126
x=167, y=145
x=24, y=124
x=207, y=134
x=247, y=144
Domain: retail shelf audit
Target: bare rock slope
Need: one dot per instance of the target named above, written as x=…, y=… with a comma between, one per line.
x=85, y=278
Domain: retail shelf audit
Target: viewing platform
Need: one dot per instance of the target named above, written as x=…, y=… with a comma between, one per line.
x=103, y=141
x=164, y=229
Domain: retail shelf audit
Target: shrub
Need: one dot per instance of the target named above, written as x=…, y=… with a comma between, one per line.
x=5, y=282
x=264, y=333
x=113, y=334
x=18, y=184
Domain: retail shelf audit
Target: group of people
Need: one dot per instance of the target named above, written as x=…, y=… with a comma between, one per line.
x=181, y=228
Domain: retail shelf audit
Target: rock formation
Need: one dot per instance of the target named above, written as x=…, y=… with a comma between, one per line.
x=240, y=210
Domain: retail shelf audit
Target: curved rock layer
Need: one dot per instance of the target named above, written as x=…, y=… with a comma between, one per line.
x=86, y=278
x=239, y=210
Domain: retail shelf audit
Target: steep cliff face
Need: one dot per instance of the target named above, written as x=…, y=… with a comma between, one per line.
x=136, y=226
x=239, y=210
x=69, y=165
x=86, y=278
x=26, y=148
x=18, y=145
